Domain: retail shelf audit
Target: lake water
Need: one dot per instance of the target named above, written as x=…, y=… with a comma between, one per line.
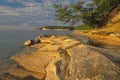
x=12, y=40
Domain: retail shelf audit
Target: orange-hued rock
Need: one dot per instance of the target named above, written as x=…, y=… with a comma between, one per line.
x=62, y=58
x=35, y=62
x=28, y=43
x=39, y=60
x=109, y=34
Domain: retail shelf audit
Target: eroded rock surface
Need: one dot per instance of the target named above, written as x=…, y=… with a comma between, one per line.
x=62, y=58
x=89, y=64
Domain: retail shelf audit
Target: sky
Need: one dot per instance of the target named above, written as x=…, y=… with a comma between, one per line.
x=29, y=12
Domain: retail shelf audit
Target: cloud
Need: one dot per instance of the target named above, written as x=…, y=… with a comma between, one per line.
x=33, y=12
x=4, y=10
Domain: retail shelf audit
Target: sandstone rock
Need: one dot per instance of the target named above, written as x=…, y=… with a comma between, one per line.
x=62, y=58
x=115, y=35
x=88, y=63
x=46, y=41
x=28, y=42
x=50, y=47
x=112, y=35
x=31, y=42
x=53, y=36
x=67, y=43
x=52, y=70
x=93, y=32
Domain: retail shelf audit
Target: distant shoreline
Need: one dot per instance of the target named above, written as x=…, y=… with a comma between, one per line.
x=49, y=29
x=55, y=28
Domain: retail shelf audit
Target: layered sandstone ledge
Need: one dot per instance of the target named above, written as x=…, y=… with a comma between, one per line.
x=103, y=37
x=62, y=58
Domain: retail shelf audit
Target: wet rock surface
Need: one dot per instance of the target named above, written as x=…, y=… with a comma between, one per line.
x=62, y=58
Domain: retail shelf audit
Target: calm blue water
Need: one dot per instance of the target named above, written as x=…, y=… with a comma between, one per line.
x=12, y=40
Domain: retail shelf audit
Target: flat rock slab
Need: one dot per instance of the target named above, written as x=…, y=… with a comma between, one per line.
x=88, y=64
x=61, y=58
x=35, y=62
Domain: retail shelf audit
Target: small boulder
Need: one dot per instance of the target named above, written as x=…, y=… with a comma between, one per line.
x=53, y=36
x=28, y=42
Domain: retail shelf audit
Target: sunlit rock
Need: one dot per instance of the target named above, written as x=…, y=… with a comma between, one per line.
x=28, y=42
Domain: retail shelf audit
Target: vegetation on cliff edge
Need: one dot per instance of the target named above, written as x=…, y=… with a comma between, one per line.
x=93, y=13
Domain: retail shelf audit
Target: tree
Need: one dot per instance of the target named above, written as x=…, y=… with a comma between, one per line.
x=66, y=14
x=74, y=13
x=94, y=14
